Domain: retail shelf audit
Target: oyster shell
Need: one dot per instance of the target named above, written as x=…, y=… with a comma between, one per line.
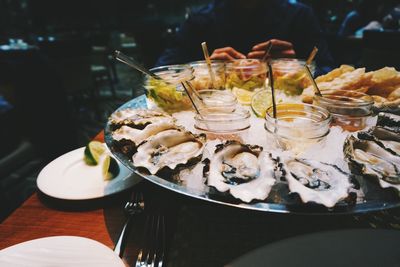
x=384, y=137
x=315, y=181
x=127, y=139
x=169, y=148
x=371, y=159
x=137, y=118
x=244, y=170
x=389, y=121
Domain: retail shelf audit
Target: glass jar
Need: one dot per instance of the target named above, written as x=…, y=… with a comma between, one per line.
x=350, y=109
x=244, y=77
x=202, y=79
x=297, y=126
x=222, y=124
x=290, y=75
x=218, y=99
x=168, y=94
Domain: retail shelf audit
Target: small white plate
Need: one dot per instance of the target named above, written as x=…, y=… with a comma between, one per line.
x=66, y=251
x=69, y=177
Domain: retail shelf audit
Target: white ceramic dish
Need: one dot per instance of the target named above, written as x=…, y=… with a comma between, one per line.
x=66, y=251
x=69, y=177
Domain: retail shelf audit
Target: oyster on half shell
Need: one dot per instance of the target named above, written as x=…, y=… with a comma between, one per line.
x=369, y=158
x=169, y=148
x=384, y=137
x=137, y=118
x=244, y=170
x=315, y=181
x=127, y=139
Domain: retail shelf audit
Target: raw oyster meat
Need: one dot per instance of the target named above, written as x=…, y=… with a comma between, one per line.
x=369, y=158
x=127, y=139
x=244, y=170
x=315, y=181
x=137, y=118
x=384, y=137
x=169, y=148
x=389, y=121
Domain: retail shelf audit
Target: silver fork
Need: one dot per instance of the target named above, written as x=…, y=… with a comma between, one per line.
x=134, y=206
x=152, y=255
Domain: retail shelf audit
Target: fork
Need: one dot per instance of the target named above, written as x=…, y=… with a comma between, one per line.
x=133, y=206
x=152, y=255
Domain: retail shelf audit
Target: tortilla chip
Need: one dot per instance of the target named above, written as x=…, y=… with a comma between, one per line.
x=394, y=95
x=334, y=73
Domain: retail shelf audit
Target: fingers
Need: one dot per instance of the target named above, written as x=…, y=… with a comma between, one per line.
x=274, y=54
x=226, y=53
x=276, y=45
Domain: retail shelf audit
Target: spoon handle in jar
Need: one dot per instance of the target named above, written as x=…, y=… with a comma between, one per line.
x=132, y=63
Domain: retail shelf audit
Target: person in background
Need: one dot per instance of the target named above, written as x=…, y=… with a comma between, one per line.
x=235, y=29
x=392, y=20
x=371, y=15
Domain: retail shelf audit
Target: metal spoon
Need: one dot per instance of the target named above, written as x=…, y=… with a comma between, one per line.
x=271, y=83
x=132, y=63
x=317, y=91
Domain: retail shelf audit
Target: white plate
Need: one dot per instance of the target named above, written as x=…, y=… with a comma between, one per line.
x=60, y=251
x=69, y=177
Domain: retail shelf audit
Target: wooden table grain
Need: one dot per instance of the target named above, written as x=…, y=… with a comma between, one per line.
x=42, y=216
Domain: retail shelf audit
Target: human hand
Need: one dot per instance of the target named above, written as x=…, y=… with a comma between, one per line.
x=279, y=48
x=226, y=53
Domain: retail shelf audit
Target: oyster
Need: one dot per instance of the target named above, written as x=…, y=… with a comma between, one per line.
x=169, y=148
x=244, y=170
x=127, y=139
x=389, y=121
x=384, y=137
x=137, y=118
x=315, y=181
x=371, y=159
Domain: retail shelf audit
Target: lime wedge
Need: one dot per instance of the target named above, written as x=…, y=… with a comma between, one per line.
x=260, y=102
x=243, y=96
x=93, y=151
x=109, y=168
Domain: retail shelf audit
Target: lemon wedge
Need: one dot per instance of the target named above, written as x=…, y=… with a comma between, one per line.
x=243, y=96
x=109, y=168
x=260, y=102
x=93, y=152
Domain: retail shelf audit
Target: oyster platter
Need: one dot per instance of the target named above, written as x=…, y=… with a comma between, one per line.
x=303, y=157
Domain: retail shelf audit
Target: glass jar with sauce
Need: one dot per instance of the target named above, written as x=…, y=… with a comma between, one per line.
x=202, y=79
x=290, y=75
x=223, y=124
x=349, y=109
x=297, y=126
x=245, y=77
x=168, y=94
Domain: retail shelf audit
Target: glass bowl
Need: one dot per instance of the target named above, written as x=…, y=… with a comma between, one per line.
x=297, y=126
x=222, y=124
x=350, y=109
x=290, y=75
x=217, y=99
x=202, y=78
x=168, y=94
x=244, y=77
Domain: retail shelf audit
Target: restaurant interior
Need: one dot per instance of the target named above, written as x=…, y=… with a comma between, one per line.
x=60, y=82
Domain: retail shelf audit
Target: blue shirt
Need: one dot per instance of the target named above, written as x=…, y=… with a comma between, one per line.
x=220, y=26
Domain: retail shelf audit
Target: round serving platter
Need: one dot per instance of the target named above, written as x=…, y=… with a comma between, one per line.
x=279, y=199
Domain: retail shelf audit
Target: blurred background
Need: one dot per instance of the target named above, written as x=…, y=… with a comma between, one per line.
x=59, y=82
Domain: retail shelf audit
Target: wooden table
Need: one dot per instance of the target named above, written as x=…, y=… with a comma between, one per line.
x=199, y=233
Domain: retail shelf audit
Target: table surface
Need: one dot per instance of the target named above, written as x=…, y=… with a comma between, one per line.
x=198, y=233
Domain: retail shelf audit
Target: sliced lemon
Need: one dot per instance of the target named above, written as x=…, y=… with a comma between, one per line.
x=260, y=102
x=93, y=151
x=109, y=168
x=243, y=96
